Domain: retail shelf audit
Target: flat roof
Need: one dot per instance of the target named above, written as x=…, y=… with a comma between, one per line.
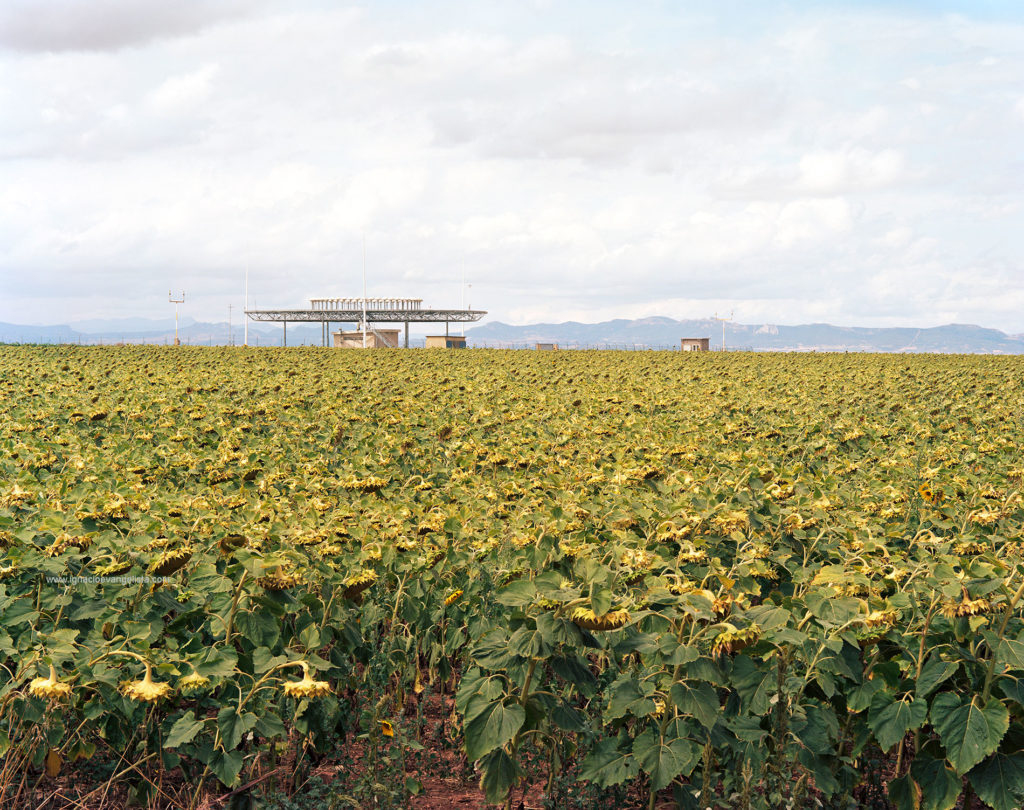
x=372, y=315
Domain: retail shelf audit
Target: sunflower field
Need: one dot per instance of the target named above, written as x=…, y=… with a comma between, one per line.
x=649, y=579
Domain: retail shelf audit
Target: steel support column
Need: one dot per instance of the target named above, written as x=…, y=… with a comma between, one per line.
x=284, y=340
x=407, y=334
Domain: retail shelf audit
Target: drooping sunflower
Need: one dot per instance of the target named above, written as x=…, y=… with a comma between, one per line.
x=588, y=620
x=307, y=687
x=193, y=682
x=966, y=607
x=50, y=688
x=170, y=561
x=147, y=690
x=280, y=579
x=359, y=582
x=733, y=639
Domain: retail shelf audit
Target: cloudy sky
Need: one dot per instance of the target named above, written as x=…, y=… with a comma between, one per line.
x=852, y=162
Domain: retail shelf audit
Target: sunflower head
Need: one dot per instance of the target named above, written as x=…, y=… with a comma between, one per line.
x=147, y=690
x=588, y=620
x=452, y=598
x=359, y=582
x=114, y=569
x=386, y=728
x=966, y=607
x=307, y=687
x=881, y=618
x=50, y=688
x=170, y=561
x=279, y=580
x=733, y=640
x=193, y=683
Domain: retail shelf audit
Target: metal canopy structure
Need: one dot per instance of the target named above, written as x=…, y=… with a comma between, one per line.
x=378, y=310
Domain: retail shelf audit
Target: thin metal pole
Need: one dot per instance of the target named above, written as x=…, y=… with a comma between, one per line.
x=246, y=303
x=175, y=301
x=407, y=334
x=284, y=341
x=364, y=289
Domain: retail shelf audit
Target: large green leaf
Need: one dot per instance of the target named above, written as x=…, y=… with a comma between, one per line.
x=817, y=729
x=475, y=691
x=608, y=765
x=500, y=773
x=183, y=731
x=233, y=725
x=626, y=697
x=600, y=599
x=574, y=671
x=263, y=660
x=904, y=793
x=753, y=684
x=821, y=770
x=664, y=758
x=567, y=718
x=270, y=726
x=492, y=727
x=999, y=781
x=940, y=787
x=1010, y=653
x=217, y=662
x=519, y=593
x=528, y=643
x=226, y=765
x=968, y=729
x=890, y=719
x=832, y=611
x=697, y=699
x=933, y=673
x=258, y=626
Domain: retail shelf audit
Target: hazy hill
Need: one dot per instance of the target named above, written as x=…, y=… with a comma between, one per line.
x=657, y=332
x=666, y=332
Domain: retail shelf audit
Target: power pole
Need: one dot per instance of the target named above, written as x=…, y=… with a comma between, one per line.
x=723, y=320
x=230, y=341
x=176, y=301
x=364, y=289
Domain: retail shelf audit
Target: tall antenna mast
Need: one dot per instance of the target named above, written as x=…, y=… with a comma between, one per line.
x=723, y=320
x=176, y=301
x=364, y=289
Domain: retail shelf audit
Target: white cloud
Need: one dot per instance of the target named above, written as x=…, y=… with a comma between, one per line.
x=181, y=94
x=854, y=168
x=831, y=172
x=98, y=25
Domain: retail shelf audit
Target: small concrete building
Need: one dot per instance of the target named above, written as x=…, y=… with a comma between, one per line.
x=375, y=339
x=547, y=347
x=446, y=342
x=695, y=344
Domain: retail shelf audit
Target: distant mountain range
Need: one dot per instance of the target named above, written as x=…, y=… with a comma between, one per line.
x=656, y=333
x=823, y=337
x=142, y=330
